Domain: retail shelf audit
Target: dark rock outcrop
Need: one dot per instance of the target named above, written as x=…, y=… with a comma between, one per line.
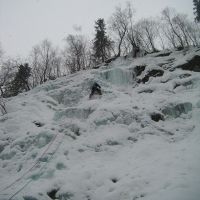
x=163, y=54
x=38, y=124
x=52, y=193
x=152, y=73
x=192, y=65
x=139, y=69
x=185, y=84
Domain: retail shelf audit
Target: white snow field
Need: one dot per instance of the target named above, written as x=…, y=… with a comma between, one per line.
x=139, y=141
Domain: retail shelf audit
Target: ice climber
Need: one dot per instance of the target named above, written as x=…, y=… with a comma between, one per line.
x=95, y=89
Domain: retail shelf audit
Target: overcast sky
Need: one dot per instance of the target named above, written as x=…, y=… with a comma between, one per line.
x=24, y=23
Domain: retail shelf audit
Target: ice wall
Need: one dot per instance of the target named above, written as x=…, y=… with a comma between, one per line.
x=119, y=76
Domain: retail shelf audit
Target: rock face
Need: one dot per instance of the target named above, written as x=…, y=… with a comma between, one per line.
x=193, y=64
x=152, y=73
x=163, y=54
x=139, y=69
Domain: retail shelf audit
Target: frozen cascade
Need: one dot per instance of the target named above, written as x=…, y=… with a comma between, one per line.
x=176, y=110
x=119, y=76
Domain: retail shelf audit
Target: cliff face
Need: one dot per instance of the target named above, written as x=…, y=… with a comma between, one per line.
x=139, y=140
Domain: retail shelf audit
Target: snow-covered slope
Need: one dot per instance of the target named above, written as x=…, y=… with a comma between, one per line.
x=140, y=140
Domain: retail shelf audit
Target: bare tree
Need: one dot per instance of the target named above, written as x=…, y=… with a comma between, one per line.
x=76, y=53
x=188, y=30
x=168, y=17
x=148, y=33
x=132, y=34
x=160, y=34
x=179, y=30
x=45, y=62
x=193, y=30
x=119, y=22
x=7, y=74
x=180, y=21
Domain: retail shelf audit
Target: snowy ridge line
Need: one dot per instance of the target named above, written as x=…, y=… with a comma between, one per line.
x=26, y=184
x=36, y=163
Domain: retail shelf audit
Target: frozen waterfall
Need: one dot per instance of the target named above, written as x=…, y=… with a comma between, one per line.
x=119, y=76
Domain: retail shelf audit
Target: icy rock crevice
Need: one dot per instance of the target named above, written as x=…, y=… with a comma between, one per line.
x=178, y=109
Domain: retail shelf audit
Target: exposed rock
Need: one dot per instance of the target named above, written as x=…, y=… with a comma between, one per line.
x=114, y=180
x=38, y=124
x=184, y=76
x=163, y=54
x=112, y=142
x=152, y=73
x=97, y=66
x=133, y=139
x=30, y=198
x=193, y=64
x=179, y=48
x=110, y=60
x=146, y=90
x=185, y=84
x=52, y=193
x=139, y=69
x=65, y=196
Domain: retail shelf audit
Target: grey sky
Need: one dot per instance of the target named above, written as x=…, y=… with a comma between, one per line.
x=24, y=23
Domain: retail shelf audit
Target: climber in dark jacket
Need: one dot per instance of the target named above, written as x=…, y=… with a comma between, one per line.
x=95, y=89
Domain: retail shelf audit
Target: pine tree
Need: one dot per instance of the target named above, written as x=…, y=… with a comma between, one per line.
x=20, y=82
x=102, y=43
x=197, y=10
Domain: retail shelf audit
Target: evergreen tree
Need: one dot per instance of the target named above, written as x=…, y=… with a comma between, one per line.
x=102, y=43
x=197, y=10
x=20, y=82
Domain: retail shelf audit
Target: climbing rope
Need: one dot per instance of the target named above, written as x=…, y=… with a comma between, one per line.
x=25, y=185
x=34, y=165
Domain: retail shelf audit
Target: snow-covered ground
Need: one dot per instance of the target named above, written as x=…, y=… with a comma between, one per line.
x=55, y=143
